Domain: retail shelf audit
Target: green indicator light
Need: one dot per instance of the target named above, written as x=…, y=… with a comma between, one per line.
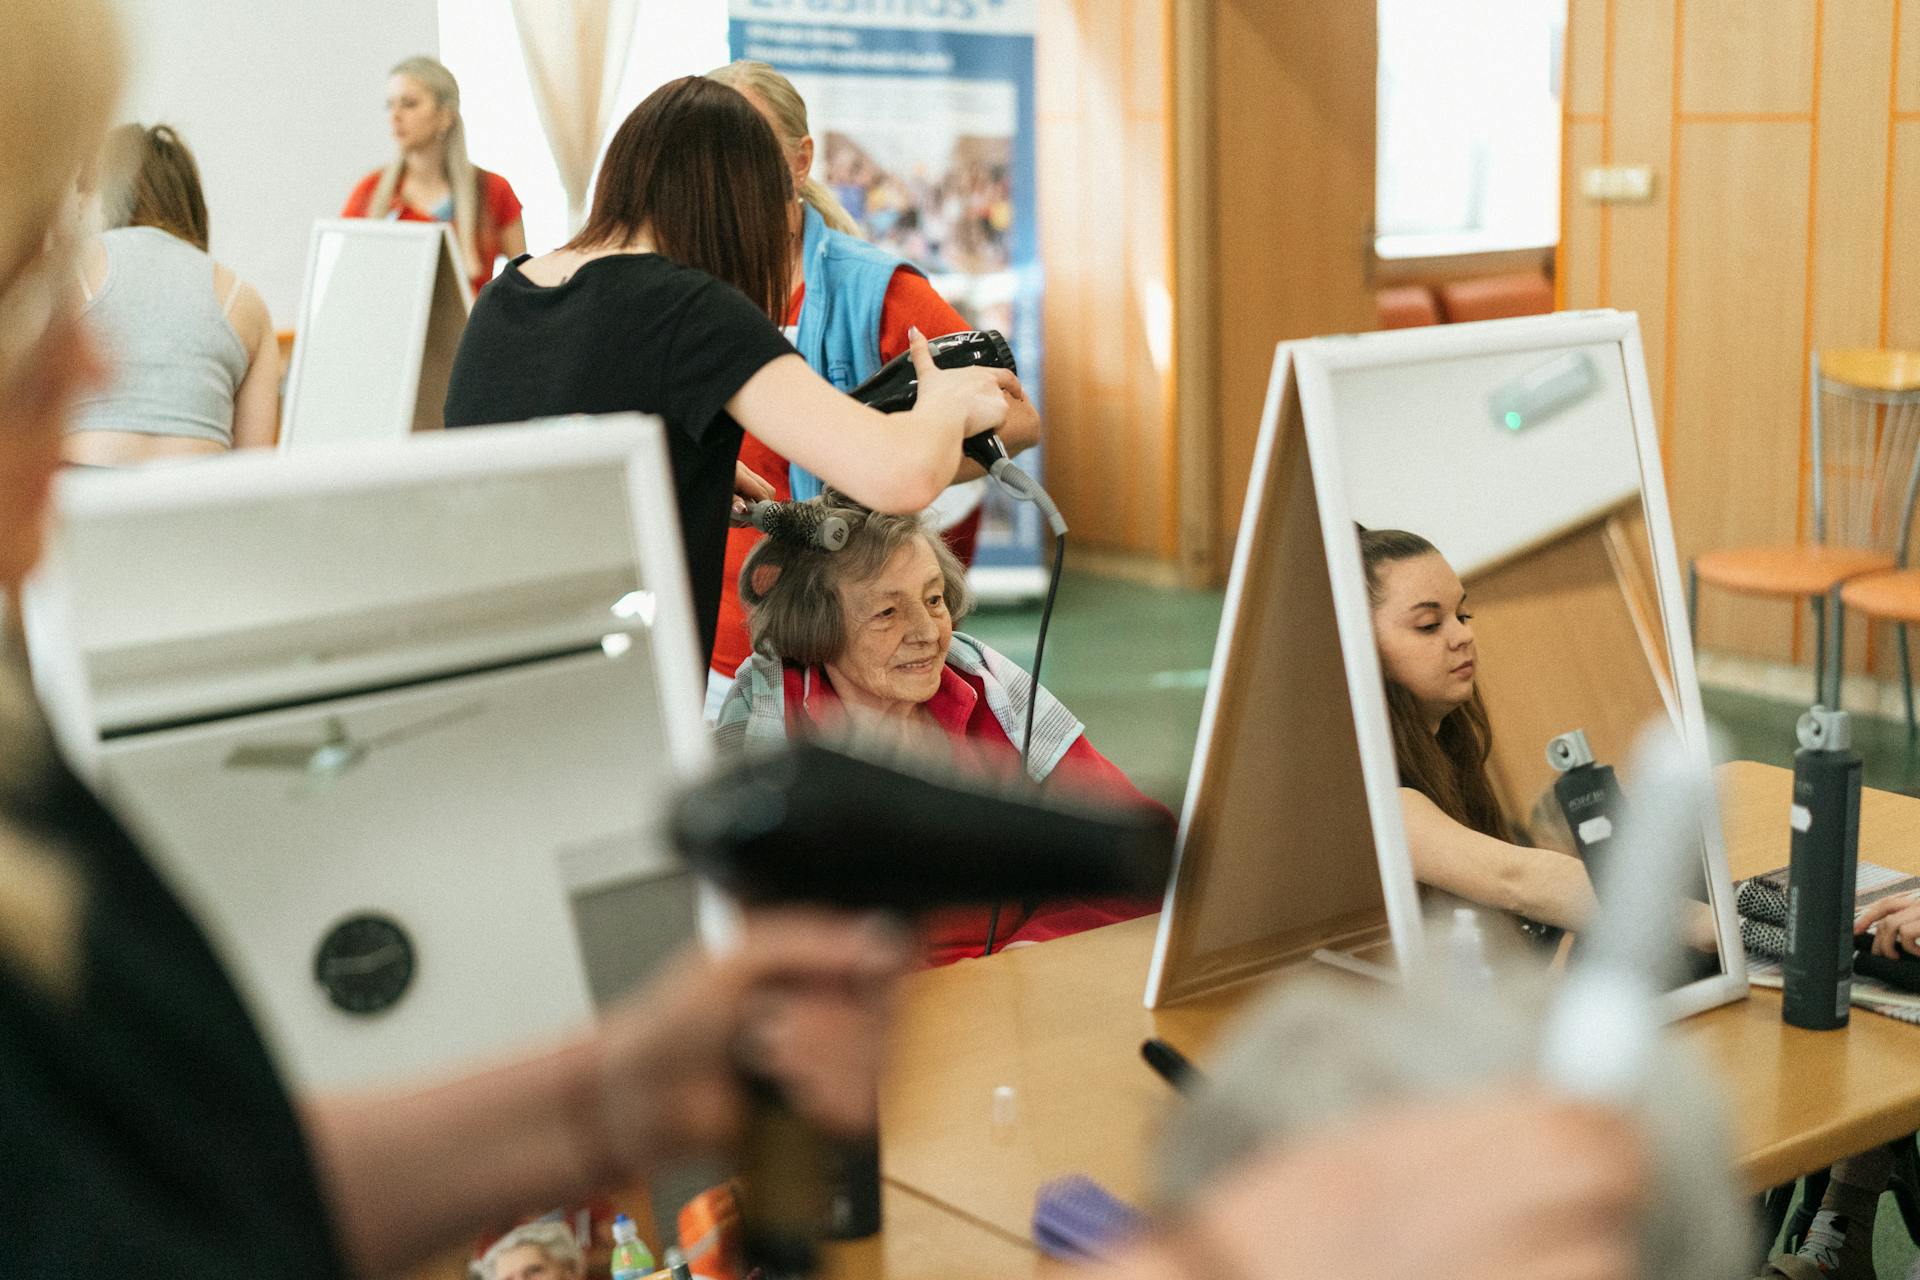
x=1514, y=421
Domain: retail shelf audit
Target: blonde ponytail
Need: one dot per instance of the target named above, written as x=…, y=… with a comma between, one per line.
x=789, y=113
x=462, y=178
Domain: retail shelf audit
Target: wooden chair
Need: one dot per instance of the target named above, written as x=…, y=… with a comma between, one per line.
x=1866, y=465
x=1894, y=595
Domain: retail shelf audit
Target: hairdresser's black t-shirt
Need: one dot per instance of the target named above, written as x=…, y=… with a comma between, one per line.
x=627, y=333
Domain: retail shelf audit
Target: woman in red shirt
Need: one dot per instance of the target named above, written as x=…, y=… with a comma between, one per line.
x=432, y=180
x=910, y=302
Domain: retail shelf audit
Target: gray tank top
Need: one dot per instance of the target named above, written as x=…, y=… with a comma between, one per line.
x=176, y=363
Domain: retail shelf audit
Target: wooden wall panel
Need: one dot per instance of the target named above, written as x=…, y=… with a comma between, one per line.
x=1850, y=198
x=1294, y=165
x=1640, y=131
x=1064, y=205
x=1909, y=56
x=1148, y=30
x=1579, y=276
x=1903, y=285
x=1206, y=190
x=1745, y=57
x=1787, y=187
x=1103, y=100
x=1733, y=430
x=1149, y=268
x=1587, y=47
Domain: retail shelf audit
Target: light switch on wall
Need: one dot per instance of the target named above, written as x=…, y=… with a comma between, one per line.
x=1618, y=184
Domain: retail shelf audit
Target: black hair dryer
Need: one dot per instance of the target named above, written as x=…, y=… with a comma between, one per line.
x=1588, y=795
x=811, y=825
x=896, y=385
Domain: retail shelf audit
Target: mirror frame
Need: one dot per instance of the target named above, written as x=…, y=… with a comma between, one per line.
x=1314, y=363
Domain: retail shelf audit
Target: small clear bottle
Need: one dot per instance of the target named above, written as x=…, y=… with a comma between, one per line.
x=632, y=1260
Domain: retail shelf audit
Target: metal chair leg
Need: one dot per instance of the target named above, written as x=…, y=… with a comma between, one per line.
x=1906, y=681
x=1836, y=647
x=1819, y=604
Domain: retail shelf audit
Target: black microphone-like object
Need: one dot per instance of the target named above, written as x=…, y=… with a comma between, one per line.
x=802, y=523
x=1821, y=872
x=896, y=386
x=1588, y=796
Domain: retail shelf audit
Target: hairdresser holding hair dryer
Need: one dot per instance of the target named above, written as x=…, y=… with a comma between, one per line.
x=665, y=303
x=852, y=308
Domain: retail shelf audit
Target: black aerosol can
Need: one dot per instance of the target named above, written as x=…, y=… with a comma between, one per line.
x=1588, y=795
x=1820, y=873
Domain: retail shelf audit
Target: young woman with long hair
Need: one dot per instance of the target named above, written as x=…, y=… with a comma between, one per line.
x=433, y=180
x=850, y=308
x=1460, y=840
x=195, y=366
x=667, y=302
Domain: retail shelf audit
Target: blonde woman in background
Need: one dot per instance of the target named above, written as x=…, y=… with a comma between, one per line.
x=432, y=180
x=193, y=365
x=851, y=307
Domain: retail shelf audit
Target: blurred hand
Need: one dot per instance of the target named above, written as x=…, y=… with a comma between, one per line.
x=1895, y=923
x=1514, y=1186
x=971, y=394
x=748, y=488
x=804, y=1001
x=1021, y=431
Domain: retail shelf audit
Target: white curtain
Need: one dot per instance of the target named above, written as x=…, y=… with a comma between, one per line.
x=576, y=52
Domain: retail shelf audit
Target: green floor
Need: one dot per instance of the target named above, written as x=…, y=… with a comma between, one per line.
x=1132, y=662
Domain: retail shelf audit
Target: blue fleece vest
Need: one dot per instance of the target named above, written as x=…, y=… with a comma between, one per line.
x=839, y=334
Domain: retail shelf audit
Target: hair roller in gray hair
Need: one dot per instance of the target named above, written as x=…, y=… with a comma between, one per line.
x=806, y=524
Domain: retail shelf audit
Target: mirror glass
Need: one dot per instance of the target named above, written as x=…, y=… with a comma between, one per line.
x=1516, y=462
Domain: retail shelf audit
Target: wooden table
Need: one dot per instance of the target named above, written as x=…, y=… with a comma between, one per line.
x=924, y=1240
x=1062, y=1024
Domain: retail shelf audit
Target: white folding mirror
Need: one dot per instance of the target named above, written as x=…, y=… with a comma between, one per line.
x=398, y=722
x=381, y=314
x=1276, y=859
x=1525, y=451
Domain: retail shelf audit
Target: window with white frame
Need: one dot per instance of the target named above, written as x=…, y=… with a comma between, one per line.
x=481, y=46
x=1469, y=126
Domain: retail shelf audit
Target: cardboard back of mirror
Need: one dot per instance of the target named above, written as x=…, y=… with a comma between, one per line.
x=1276, y=856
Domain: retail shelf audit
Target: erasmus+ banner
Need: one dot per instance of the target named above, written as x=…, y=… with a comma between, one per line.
x=922, y=117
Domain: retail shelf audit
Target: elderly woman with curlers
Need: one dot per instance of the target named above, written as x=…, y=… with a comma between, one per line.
x=860, y=641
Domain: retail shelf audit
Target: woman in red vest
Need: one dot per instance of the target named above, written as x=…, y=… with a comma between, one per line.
x=432, y=180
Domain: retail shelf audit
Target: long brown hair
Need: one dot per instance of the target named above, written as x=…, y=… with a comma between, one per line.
x=701, y=170
x=1448, y=767
x=148, y=179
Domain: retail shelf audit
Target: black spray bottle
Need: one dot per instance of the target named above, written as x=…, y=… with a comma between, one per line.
x=1820, y=873
x=1588, y=795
